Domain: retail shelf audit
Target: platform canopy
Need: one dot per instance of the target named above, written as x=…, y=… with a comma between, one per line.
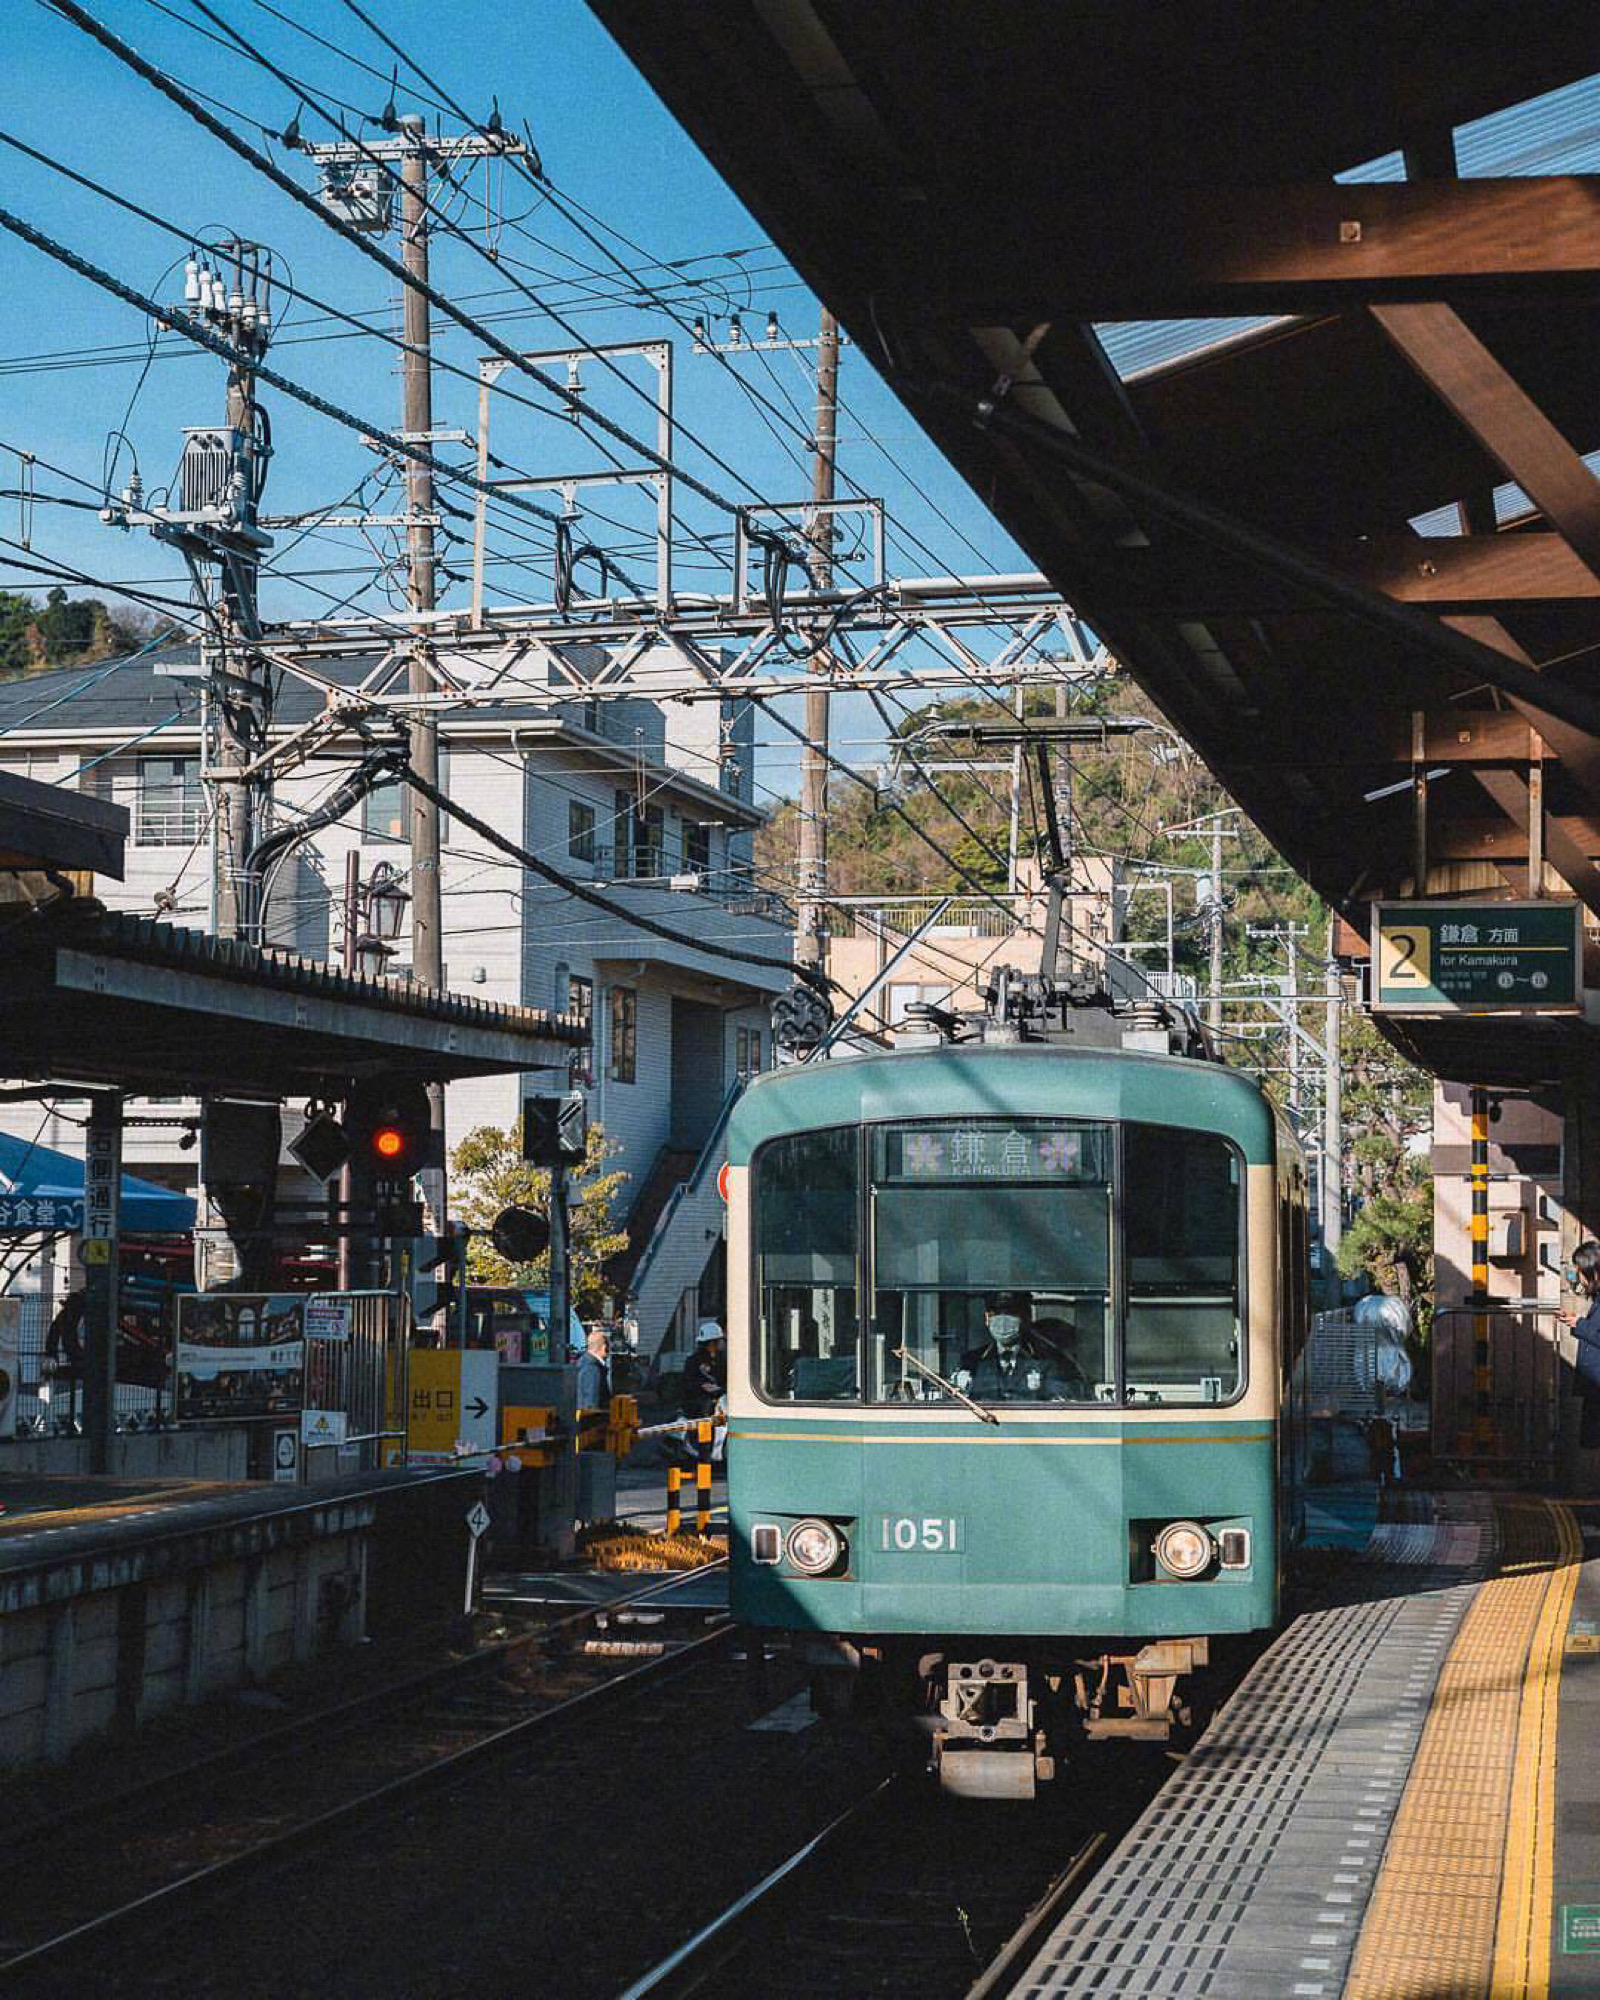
x=43, y=1189
x=114, y=1001
x=1272, y=334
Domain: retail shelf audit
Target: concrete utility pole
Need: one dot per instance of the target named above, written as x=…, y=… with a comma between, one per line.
x=422, y=814
x=357, y=184
x=236, y=692
x=1214, y=1003
x=1332, y=1112
x=810, y=945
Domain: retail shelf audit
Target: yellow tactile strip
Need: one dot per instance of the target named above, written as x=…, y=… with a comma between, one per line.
x=1430, y=1928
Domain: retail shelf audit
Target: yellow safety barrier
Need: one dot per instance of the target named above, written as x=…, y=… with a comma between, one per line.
x=623, y=1428
x=520, y=1421
x=703, y=1432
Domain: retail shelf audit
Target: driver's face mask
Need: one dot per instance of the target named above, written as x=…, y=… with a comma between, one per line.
x=1005, y=1326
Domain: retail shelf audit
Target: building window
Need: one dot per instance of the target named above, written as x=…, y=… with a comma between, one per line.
x=580, y=830
x=580, y=1001
x=640, y=837
x=749, y=1051
x=561, y=988
x=170, y=807
x=383, y=810
x=624, y=1034
x=696, y=847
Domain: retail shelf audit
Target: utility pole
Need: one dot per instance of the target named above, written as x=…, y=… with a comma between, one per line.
x=1212, y=823
x=811, y=935
x=357, y=185
x=422, y=813
x=1332, y=1112
x=236, y=692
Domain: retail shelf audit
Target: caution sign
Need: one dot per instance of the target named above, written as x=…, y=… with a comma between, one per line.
x=452, y=1401
x=1452, y=958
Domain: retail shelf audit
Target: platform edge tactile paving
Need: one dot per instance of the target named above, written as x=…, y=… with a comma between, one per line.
x=1296, y=1782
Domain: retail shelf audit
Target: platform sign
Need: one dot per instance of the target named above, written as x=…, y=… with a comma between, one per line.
x=1453, y=958
x=452, y=1400
x=323, y=1427
x=285, y=1457
x=239, y=1355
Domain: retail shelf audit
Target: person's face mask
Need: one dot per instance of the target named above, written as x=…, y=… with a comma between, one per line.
x=1005, y=1326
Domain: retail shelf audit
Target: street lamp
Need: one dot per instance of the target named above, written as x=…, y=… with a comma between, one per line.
x=384, y=907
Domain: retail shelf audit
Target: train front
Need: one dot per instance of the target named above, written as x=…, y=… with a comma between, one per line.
x=1004, y=1388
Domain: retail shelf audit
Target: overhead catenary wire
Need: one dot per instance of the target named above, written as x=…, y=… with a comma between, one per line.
x=185, y=101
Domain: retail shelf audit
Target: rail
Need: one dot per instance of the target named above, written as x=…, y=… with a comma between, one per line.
x=159, y=1907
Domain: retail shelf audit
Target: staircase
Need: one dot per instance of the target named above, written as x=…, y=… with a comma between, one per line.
x=682, y=1236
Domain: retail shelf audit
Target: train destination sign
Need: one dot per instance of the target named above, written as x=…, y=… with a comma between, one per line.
x=1446, y=958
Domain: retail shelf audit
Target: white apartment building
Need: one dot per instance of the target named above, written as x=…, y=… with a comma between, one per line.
x=653, y=804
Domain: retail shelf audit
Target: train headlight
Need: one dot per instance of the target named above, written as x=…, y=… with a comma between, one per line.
x=1183, y=1548
x=814, y=1547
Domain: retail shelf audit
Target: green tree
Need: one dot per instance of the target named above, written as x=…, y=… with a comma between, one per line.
x=490, y=1174
x=1388, y=1107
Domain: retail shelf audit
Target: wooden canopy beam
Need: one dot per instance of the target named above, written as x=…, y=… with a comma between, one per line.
x=1102, y=253
x=1504, y=419
x=1510, y=793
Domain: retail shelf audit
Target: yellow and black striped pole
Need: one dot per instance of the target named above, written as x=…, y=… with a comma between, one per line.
x=1483, y=1418
x=674, y=1498
x=702, y=1477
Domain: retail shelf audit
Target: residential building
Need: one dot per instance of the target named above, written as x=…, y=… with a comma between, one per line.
x=653, y=809
x=966, y=942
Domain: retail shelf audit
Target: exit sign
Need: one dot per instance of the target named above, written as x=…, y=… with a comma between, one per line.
x=1450, y=958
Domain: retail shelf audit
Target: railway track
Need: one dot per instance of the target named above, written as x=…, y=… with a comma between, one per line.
x=906, y=1892
x=120, y=1868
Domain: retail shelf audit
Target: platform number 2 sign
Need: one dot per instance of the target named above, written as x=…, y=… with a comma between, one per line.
x=1405, y=956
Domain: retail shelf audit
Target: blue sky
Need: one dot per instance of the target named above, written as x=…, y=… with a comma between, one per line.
x=71, y=357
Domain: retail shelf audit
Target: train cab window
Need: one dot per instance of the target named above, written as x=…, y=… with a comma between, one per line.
x=807, y=1197
x=1181, y=1234
x=991, y=1268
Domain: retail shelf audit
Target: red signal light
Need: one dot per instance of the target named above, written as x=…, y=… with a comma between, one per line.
x=388, y=1142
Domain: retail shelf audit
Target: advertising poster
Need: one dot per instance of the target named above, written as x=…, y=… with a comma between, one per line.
x=239, y=1355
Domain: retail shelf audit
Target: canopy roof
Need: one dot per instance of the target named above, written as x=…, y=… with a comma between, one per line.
x=1303, y=540
x=51, y=1185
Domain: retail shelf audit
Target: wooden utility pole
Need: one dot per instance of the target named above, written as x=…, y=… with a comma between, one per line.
x=811, y=940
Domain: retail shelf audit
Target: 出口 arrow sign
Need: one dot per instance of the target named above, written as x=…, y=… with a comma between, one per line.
x=477, y=1407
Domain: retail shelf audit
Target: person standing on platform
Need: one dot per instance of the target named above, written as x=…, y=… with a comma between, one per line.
x=1586, y=1331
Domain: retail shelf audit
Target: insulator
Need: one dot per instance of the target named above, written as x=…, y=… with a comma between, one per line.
x=191, y=283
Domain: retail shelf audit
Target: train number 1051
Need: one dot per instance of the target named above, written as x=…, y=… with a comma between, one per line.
x=923, y=1534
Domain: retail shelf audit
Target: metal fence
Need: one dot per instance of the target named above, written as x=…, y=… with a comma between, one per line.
x=1497, y=1384
x=363, y=1375
x=1345, y=1373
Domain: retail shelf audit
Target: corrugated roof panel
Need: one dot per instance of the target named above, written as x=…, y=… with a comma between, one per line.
x=1135, y=346
x=1558, y=133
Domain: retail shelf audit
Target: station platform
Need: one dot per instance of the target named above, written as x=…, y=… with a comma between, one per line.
x=1402, y=1797
x=122, y=1597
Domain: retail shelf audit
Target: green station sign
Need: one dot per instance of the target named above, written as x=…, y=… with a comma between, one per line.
x=1449, y=958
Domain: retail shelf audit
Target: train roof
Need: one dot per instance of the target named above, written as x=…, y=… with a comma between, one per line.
x=1023, y=1080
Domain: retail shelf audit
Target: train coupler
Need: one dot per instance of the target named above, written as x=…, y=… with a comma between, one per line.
x=1136, y=1694
x=986, y=1744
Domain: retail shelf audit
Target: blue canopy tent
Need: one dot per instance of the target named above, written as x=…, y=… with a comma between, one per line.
x=43, y=1190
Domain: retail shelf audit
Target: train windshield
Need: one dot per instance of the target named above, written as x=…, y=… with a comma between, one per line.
x=992, y=1262
x=1024, y=1262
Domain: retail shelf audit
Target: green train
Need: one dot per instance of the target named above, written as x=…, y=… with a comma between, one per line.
x=1015, y=1403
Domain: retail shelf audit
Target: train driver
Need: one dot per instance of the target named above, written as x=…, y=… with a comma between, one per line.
x=1017, y=1360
